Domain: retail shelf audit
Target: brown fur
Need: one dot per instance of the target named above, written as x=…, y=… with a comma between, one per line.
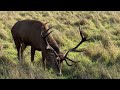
x=28, y=33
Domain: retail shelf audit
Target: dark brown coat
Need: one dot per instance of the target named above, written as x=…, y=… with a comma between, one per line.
x=35, y=34
x=28, y=33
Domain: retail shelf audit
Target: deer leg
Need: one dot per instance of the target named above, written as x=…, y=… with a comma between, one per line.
x=23, y=47
x=18, y=45
x=32, y=54
x=60, y=71
x=44, y=61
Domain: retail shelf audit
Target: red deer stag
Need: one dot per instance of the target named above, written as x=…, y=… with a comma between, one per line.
x=35, y=34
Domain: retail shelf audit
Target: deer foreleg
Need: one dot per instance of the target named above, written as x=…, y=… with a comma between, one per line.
x=32, y=54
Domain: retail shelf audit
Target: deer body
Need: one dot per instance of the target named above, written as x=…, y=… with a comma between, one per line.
x=28, y=33
x=35, y=34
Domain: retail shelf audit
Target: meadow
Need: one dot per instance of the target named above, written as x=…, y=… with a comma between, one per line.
x=100, y=60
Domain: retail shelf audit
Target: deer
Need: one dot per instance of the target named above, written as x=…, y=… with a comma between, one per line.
x=34, y=33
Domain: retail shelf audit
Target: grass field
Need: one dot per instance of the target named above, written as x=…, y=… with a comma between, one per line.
x=100, y=60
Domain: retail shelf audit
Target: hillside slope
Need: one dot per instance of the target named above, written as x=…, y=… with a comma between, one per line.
x=100, y=60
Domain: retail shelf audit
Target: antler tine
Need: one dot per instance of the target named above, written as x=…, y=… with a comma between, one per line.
x=67, y=63
x=46, y=33
x=80, y=31
x=72, y=60
x=48, y=29
x=74, y=50
x=46, y=23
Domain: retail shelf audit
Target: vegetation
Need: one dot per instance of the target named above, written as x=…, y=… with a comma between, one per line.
x=100, y=60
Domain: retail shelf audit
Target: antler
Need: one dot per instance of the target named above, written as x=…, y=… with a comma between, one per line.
x=45, y=33
x=74, y=49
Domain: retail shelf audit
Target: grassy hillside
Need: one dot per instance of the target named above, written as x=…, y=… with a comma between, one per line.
x=100, y=60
